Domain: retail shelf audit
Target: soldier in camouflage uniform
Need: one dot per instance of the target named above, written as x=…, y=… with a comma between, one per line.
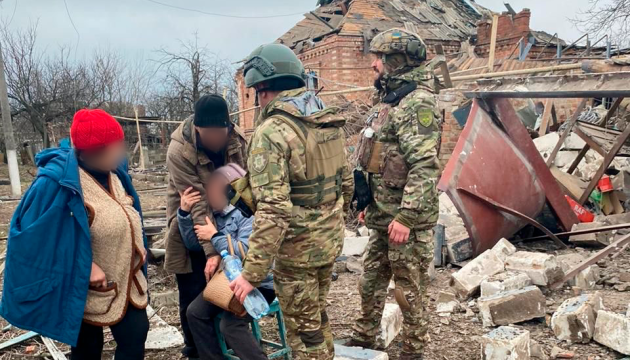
x=302, y=186
x=398, y=151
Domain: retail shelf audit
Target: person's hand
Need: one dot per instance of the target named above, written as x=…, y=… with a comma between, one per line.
x=362, y=217
x=211, y=266
x=205, y=232
x=97, y=277
x=398, y=233
x=188, y=199
x=241, y=288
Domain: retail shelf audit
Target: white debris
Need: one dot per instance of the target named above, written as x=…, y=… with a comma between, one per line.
x=574, y=321
x=161, y=335
x=505, y=281
x=613, y=330
x=391, y=324
x=543, y=269
x=506, y=343
x=467, y=280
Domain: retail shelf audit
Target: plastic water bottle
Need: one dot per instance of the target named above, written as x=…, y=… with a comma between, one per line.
x=255, y=302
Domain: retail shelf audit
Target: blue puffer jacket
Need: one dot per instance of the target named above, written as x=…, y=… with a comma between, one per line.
x=229, y=221
x=49, y=253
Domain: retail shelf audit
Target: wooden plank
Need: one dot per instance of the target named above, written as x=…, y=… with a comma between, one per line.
x=53, y=349
x=578, y=159
x=439, y=50
x=607, y=160
x=574, y=186
x=566, y=132
x=614, y=247
x=610, y=112
x=589, y=141
x=493, y=41
x=554, y=116
x=520, y=137
x=545, y=117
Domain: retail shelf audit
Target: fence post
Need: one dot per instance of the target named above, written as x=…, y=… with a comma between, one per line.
x=135, y=110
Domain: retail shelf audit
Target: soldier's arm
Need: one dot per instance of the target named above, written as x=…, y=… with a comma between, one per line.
x=269, y=180
x=184, y=175
x=418, y=135
x=347, y=187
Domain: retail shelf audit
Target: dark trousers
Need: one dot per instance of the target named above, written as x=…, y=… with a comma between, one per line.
x=190, y=286
x=235, y=329
x=130, y=335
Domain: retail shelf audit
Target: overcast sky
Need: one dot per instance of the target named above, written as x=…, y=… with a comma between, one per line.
x=135, y=28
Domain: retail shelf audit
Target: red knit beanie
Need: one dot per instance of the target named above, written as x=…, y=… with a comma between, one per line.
x=92, y=129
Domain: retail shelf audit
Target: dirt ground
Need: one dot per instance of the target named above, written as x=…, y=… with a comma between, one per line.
x=451, y=338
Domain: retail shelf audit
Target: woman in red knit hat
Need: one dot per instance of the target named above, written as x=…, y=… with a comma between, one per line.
x=98, y=277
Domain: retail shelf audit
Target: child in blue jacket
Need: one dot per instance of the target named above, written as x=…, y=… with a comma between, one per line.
x=229, y=220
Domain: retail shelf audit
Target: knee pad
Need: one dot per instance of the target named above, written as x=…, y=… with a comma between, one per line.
x=399, y=295
x=312, y=338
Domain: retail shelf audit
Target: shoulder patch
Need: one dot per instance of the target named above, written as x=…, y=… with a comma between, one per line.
x=425, y=117
x=259, y=159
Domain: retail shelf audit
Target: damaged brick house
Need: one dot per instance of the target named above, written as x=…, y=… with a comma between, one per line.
x=332, y=42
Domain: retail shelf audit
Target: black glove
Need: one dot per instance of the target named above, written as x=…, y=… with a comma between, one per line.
x=362, y=193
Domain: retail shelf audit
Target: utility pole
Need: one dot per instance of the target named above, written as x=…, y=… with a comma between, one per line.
x=7, y=128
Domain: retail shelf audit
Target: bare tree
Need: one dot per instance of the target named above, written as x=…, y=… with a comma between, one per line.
x=49, y=89
x=191, y=72
x=606, y=17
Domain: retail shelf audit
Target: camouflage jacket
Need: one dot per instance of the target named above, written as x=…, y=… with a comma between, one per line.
x=297, y=236
x=189, y=166
x=412, y=125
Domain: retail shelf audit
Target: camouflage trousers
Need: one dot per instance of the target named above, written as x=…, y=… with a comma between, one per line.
x=302, y=295
x=409, y=264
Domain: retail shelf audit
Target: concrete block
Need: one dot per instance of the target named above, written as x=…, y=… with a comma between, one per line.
x=446, y=303
x=512, y=307
x=587, y=278
x=505, y=281
x=354, y=246
x=568, y=262
x=364, y=231
x=503, y=249
x=613, y=331
x=467, y=280
x=391, y=324
x=161, y=335
x=597, y=239
x=505, y=343
x=458, y=244
x=574, y=321
x=357, y=353
x=543, y=269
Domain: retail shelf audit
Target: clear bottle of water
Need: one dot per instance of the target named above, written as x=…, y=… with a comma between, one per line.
x=255, y=302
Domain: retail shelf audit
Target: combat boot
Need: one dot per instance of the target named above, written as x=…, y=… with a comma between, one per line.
x=362, y=344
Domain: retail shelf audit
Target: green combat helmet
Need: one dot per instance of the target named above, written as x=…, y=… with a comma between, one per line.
x=400, y=41
x=275, y=64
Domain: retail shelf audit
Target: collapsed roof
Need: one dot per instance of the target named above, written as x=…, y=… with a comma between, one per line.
x=439, y=20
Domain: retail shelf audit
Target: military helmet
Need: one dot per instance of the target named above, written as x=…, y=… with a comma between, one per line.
x=274, y=63
x=400, y=41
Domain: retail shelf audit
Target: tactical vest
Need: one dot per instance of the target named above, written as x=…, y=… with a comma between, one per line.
x=376, y=155
x=325, y=160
